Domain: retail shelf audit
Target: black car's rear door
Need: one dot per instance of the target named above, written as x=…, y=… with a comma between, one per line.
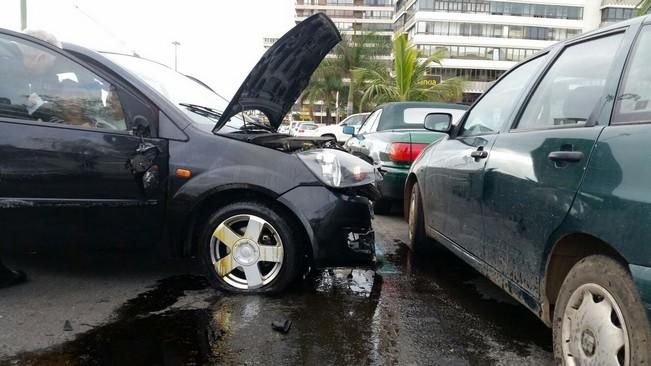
x=67, y=168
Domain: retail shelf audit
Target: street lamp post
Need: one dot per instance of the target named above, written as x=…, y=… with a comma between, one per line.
x=23, y=14
x=176, y=45
x=337, y=119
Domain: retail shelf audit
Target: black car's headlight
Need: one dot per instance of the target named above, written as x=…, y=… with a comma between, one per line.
x=337, y=168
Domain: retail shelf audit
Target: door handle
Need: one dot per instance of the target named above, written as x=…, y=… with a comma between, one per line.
x=565, y=156
x=479, y=153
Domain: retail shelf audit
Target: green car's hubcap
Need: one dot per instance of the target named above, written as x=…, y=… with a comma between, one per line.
x=593, y=329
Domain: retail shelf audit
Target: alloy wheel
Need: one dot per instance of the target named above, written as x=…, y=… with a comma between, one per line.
x=246, y=252
x=593, y=329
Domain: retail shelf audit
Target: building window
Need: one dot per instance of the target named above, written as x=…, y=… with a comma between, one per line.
x=377, y=27
x=339, y=2
x=344, y=26
x=495, y=30
x=503, y=8
x=340, y=13
x=378, y=2
x=616, y=14
x=466, y=74
x=376, y=14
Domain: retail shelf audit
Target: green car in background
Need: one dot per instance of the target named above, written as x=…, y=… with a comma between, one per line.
x=391, y=138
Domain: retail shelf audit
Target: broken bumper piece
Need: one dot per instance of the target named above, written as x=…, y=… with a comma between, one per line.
x=338, y=224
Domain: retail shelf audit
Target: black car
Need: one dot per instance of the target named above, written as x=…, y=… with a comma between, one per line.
x=107, y=148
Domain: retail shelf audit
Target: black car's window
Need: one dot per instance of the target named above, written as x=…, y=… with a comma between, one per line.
x=37, y=84
x=371, y=122
x=634, y=99
x=571, y=89
x=493, y=110
x=177, y=88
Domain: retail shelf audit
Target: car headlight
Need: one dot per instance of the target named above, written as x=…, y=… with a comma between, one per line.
x=338, y=168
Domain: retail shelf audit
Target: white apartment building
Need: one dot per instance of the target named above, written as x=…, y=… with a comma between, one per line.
x=351, y=15
x=484, y=38
x=269, y=41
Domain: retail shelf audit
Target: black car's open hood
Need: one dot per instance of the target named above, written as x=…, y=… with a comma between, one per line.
x=284, y=71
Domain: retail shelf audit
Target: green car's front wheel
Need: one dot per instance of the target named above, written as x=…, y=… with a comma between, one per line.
x=599, y=318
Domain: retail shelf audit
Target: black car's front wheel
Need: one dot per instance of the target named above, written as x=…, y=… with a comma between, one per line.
x=247, y=247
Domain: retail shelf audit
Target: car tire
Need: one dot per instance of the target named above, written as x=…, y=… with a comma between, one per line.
x=382, y=207
x=584, y=328
x=416, y=221
x=230, y=254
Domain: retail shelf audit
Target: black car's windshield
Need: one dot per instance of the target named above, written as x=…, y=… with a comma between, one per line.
x=189, y=95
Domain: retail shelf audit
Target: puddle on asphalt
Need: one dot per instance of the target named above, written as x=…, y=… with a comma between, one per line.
x=181, y=321
x=428, y=309
x=356, y=282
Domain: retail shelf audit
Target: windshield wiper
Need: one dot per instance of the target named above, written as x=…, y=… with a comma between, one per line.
x=249, y=123
x=202, y=111
x=213, y=113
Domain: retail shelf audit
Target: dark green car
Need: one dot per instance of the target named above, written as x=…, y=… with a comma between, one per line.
x=544, y=186
x=391, y=138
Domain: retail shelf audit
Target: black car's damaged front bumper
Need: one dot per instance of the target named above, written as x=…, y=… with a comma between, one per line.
x=338, y=223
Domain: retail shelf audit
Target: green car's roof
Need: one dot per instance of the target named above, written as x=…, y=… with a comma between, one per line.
x=404, y=105
x=393, y=114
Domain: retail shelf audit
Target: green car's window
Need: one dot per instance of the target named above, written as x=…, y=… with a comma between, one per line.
x=633, y=100
x=493, y=110
x=355, y=120
x=371, y=122
x=571, y=89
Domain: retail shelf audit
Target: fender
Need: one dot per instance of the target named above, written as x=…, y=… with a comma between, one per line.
x=191, y=195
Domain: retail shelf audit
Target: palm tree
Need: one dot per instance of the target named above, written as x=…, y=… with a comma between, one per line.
x=360, y=50
x=407, y=81
x=323, y=86
x=643, y=7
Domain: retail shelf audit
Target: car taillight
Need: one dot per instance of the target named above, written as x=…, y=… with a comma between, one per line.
x=405, y=152
x=301, y=130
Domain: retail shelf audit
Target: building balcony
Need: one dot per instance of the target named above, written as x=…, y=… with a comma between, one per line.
x=619, y=3
x=476, y=87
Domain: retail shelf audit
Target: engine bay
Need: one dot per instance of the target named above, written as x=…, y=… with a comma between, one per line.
x=287, y=143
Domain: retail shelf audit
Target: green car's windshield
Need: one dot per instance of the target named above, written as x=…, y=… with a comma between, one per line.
x=178, y=88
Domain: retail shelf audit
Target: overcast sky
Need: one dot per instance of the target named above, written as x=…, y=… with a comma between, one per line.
x=221, y=40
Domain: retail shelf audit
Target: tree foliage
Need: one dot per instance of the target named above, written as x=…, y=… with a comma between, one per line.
x=644, y=7
x=406, y=81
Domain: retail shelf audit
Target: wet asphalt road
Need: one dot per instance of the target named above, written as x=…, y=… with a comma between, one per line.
x=132, y=308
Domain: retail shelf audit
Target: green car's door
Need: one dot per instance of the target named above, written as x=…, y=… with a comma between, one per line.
x=453, y=186
x=535, y=168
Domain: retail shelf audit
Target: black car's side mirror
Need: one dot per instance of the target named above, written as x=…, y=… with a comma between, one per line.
x=438, y=122
x=141, y=127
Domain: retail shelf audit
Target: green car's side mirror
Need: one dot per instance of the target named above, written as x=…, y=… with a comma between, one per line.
x=438, y=122
x=349, y=130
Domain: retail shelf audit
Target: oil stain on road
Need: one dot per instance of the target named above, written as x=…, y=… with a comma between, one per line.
x=414, y=309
